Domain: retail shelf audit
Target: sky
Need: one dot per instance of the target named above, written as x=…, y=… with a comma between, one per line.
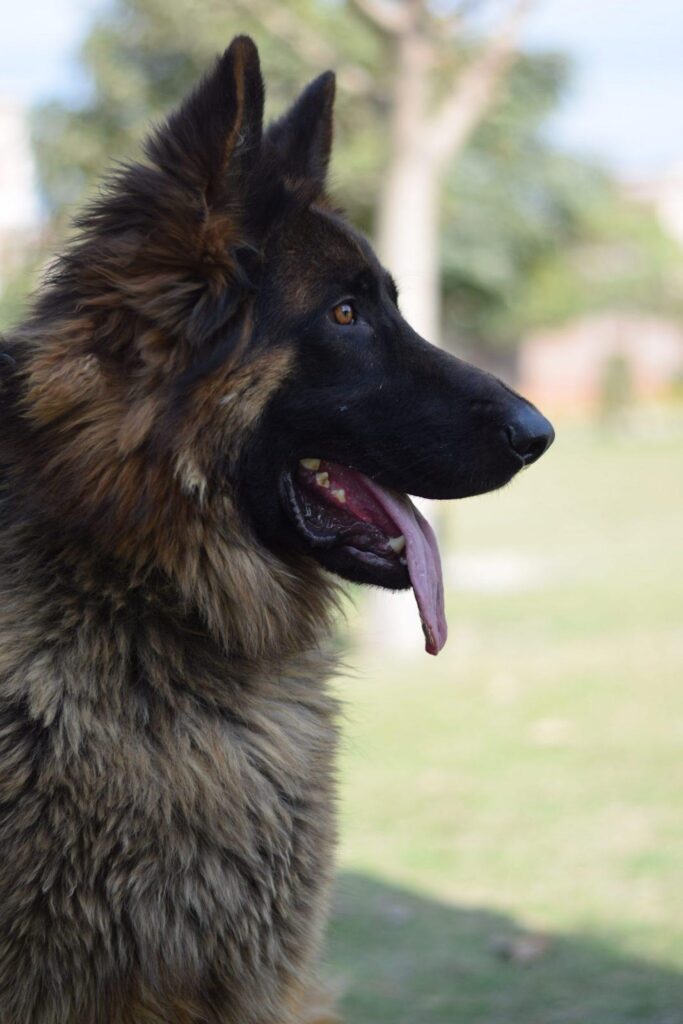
x=625, y=104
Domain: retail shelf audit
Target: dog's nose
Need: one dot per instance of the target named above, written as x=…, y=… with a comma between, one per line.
x=530, y=434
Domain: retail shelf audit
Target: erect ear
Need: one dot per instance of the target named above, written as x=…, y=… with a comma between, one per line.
x=302, y=138
x=177, y=248
x=215, y=134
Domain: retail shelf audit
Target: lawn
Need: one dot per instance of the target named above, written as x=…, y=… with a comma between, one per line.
x=530, y=779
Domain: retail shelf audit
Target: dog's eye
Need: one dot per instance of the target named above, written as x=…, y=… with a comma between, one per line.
x=344, y=314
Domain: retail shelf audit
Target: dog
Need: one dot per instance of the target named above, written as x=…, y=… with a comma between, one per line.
x=212, y=412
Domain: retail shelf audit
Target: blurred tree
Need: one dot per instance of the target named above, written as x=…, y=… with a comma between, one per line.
x=517, y=219
x=15, y=286
x=144, y=53
x=442, y=86
x=620, y=258
x=415, y=71
x=534, y=237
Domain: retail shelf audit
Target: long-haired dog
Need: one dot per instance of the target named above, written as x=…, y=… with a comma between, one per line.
x=213, y=407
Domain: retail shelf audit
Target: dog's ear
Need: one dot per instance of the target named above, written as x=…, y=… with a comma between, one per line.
x=302, y=138
x=171, y=237
x=215, y=135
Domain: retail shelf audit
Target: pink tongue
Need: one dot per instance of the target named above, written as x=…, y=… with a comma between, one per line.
x=424, y=563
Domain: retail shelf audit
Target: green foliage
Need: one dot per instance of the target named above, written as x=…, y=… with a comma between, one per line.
x=533, y=236
x=17, y=285
x=529, y=235
x=144, y=55
x=621, y=258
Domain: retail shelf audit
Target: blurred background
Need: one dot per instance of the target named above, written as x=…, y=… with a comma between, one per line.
x=511, y=839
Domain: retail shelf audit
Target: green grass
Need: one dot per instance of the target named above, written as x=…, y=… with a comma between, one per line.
x=531, y=777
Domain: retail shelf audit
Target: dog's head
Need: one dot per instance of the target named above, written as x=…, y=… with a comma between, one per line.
x=221, y=379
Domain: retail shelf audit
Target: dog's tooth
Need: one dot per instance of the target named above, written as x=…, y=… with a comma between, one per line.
x=397, y=544
x=340, y=495
x=322, y=479
x=310, y=463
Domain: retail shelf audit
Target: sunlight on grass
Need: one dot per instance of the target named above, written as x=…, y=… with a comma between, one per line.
x=530, y=778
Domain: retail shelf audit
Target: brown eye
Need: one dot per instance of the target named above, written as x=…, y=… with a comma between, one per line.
x=344, y=314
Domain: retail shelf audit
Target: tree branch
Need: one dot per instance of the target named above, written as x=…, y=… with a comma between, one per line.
x=284, y=23
x=476, y=87
x=454, y=22
x=386, y=16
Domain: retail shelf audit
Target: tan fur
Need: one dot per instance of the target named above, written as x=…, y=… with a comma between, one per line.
x=175, y=837
x=167, y=741
x=180, y=819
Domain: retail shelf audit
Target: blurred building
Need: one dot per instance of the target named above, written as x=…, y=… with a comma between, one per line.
x=575, y=367
x=19, y=206
x=572, y=368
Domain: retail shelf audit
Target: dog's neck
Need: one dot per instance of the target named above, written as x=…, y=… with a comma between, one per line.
x=234, y=602
x=253, y=603
x=132, y=529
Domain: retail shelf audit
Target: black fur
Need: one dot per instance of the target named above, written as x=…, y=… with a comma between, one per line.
x=167, y=741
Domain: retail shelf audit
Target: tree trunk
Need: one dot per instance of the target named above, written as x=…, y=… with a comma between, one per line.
x=408, y=217
x=408, y=240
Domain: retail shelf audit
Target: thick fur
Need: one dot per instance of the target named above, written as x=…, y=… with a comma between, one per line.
x=167, y=742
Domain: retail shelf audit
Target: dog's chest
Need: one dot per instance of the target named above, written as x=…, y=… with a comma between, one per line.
x=232, y=814
x=204, y=831
x=184, y=837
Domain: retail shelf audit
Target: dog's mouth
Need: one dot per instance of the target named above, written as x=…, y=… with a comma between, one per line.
x=369, y=534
